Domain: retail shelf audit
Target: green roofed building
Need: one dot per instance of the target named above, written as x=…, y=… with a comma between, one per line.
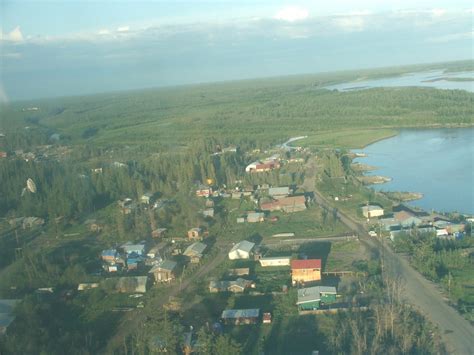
x=312, y=298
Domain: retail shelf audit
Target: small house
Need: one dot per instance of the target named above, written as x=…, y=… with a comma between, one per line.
x=164, y=271
x=255, y=217
x=240, y=219
x=286, y=204
x=209, y=212
x=158, y=233
x=267, y=318
x=371, y=211
x=275, y=261
x=305, y=270
x=31, y=222
x=87, y=286
x=109, y=255
x=93, y=226
x=240, y=316
x=153, y=252
x=195, y=233
x=146, y=198
x=312, y=298
x=209, y=203
x=241, y=250
x=243, y=271
x=195, y=252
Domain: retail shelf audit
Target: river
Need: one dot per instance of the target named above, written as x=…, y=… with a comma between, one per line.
x=439, y=163
x=435, y=78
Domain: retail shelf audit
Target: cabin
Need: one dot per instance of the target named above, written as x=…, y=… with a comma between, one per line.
x=240, y=316
x=164, y=271
x=255, y=217
x=7, y=314
x=286, y=204
x=146, y=198
x=371, y=211
x=279, y=192
x=312, y=298
x=195, y=233
x=195, y=252
x=241, y=250
x=305, y=270
x=209, y=212
x=275, y=261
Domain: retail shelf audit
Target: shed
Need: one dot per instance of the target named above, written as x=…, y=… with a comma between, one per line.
x=240, y=316
x=241, y=250
x=109, y=255
x=146, y=198
x=164, y=271
x=313, y=297
x=237, y=286
x=158, y=232
x=209, y=212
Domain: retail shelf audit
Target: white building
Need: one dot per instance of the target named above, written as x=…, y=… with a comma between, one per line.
x=241, y=250
x=275, y=261
x=371, y=211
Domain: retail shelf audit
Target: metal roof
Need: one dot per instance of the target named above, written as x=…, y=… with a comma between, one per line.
x=311, y=294
x=240, y=313
x=195, y=249
x=244, y=245
x=164, y=265
x=306, y=264
x=279, y=190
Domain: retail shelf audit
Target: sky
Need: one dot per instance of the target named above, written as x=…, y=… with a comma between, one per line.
x=64, y=47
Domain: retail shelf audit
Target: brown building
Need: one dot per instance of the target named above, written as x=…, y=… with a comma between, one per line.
x=195, y=234
x=286, y=204
x=305, y=270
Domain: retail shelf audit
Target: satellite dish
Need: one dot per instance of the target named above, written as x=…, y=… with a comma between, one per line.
x=30, y=184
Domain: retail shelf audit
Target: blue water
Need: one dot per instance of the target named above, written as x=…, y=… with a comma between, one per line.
x=412, y=79
x=436, y=162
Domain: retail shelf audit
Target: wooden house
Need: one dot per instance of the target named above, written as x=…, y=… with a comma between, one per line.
x=195, y=252
x=164, y=271
x=195, y=234
x=240, y=316
x=305, y=270
x=286, y=204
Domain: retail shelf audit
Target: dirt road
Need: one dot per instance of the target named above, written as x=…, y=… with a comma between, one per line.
x=457, y=333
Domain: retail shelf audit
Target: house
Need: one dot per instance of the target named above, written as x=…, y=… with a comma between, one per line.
x=7, y=314
x=278, y=192
x=255, y=217
x=286, y=204
x=314, y=297
x=204, y=191
x=130, y=248
x=153, y=252
x=371, y=211
x=209, y=203
x=3, y=154
x=259, y=166
x=275, y=261
x=31, y=222
x=195, y=252
x=87, y=286
x=97, y=170
x=241, y=250
x=195, y=234
x=240, y=219
x=305, y=270
x=146, y=198
x=407, y=219
x=109, y=255
x=388, y=223
x=128, y=284
x=237, y=286
x=164, y=271
x=158, y=233
x=240, y=316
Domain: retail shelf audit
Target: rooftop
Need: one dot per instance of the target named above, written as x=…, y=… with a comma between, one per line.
x=164, y=265
x=240, y=313
x=312, y=294
x=243, y=245
x=195, y=249
x=306, y=264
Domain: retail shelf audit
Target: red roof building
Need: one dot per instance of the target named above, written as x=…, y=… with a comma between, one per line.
x=305, y=270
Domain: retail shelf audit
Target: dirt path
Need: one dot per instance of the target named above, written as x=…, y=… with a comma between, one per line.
x=456, y=332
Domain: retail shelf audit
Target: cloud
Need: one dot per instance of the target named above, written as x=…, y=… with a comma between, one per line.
x=292, y=14
x=438, y=12
x=12, y=55
x=123, y=29
x=14, y=36
x=452, y=37
x=350, y=23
